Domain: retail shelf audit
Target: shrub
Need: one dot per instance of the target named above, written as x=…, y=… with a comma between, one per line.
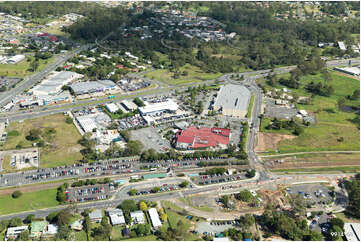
x=16, y=194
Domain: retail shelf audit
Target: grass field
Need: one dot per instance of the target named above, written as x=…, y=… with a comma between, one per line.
x=321, y=157
x=250, y=106
x=173, y=219
x=340, y=169
x=28, y=201
x=332, y=123
x=347, y=219
x=194, y=75
x=21, y=69
x=61, y=149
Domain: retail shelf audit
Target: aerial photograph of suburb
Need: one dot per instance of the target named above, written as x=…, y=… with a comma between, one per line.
x=179, y=120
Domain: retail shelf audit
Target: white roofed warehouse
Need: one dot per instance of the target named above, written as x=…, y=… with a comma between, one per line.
x=158, y=108
x=233, y=100
x=53, y=84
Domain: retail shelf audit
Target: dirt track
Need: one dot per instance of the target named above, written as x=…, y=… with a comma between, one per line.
x=298, y=164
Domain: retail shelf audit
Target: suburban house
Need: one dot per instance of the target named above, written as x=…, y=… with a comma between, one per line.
x=137, y=217
x=116, y=216
x=37, y=228
x=154, y=218
x=96, y=215
x=13, y=232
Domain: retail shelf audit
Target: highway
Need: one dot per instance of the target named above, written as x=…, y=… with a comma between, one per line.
x=161, y=89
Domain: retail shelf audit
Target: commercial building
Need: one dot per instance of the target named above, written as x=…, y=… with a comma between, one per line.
x=13, y=232
x=111, y=107
x=156, y=109
x=154, y=218
x=116, y=216
x=54, y=83
x=15, y=59
x=80, y=88
x=96, y=215
x=93, y=121
x=129, y=106
x=201, y=137
x=352, y=231
x=137, y=217
x=233, y=100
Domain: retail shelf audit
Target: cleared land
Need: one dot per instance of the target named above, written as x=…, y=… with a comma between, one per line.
x=194, y=74
x=269, y=141
x=28, y=201
x=61, y=148
x=21, y=69
x=332, y=125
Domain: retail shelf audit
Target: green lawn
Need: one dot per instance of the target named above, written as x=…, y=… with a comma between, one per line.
x=21, y=69
x=194, y=75
x=250, y=106
x=172, y=206
x=347, y=219
x=28, y=201
x=173, y=219
x=61, y=149
x=332, y=123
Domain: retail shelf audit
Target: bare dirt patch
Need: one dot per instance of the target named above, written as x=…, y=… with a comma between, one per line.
x=269, y=141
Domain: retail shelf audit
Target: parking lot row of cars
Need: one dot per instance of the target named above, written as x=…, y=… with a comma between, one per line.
x=164, y=188
x=218, y=178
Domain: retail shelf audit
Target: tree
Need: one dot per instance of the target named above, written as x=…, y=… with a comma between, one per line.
x=337, y=222
x=16, y=194
x=14, y=222
x=298, y=130
x=313, y=236
x=29, y=218
x=23, y=236
x=353, y=189
x=34, y=134
x=184, y=184
x=250, y=173
x=245, y=196
x=163, y=217
x=355, y=95
x=341, y=102
x=87, y=225
x=142, y=229
x=246, y=221
x=143, y=206
x=63, y=233
x=128, y=206
x=51, y=217
x=68, y=120
x=63, y=217
x=155, y=189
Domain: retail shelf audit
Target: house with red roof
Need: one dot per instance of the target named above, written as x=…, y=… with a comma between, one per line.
x=202, y=137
